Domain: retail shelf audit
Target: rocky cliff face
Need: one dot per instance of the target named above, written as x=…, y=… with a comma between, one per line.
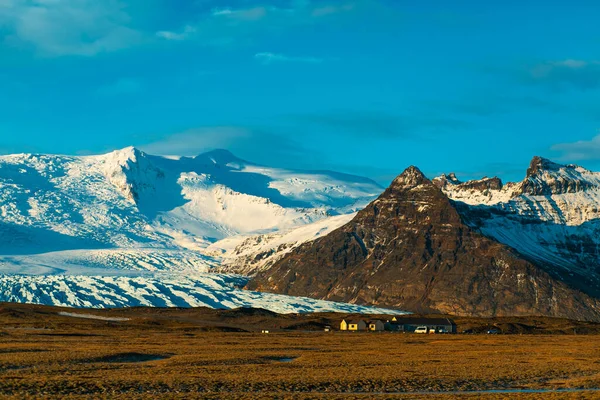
x=547, y=178
x=412, y=249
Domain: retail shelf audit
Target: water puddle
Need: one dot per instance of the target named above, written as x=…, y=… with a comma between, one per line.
x=286, y=360
x=129, y=358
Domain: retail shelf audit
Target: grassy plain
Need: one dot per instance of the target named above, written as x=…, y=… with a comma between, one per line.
x=198, y=354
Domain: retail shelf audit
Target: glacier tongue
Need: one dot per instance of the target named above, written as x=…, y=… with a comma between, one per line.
x=159, y=290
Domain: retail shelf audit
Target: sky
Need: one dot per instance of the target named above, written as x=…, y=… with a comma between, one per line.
x=366, y=87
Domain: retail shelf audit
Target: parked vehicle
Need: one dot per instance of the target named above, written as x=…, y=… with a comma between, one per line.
x=421, y=329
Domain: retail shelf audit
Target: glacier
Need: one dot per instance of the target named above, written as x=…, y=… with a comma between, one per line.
x=132, y=229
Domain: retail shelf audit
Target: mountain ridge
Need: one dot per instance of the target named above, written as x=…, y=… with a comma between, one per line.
x=418, y=210
x=132, y=214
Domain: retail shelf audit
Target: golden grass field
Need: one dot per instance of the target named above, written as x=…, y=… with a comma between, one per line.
x=172, y=355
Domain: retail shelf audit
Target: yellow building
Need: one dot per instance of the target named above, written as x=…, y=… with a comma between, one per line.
x=353, y=325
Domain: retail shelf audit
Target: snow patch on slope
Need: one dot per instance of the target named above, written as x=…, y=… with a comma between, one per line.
x=552, y=216
x=248, y=255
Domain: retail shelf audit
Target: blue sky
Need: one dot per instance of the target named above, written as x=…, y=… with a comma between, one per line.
x=360, y=86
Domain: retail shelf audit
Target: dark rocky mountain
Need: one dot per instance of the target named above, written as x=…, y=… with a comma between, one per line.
x=412, y=249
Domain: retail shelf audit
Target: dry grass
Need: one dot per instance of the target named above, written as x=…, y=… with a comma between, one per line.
x=46, y=355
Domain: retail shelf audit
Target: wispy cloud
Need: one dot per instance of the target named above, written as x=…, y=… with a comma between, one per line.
x=185, y=33
x=89, y=27
x=577, y=74
x=244, y=14
x=579, y=150
x=68, y=27
x=254, y=143
x=270, y=58
x=224, y=26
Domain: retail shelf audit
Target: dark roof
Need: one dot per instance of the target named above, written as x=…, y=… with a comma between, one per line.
x=354, y=321
x=423, y=321
x=373, y=321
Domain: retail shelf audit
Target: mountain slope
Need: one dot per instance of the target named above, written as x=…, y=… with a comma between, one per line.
x=130, y=199
x=552, y=217
x=411, y=249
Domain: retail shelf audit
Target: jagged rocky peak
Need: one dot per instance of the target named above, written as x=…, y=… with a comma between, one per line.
x=539, y=164
x=545, y=177
x=485, y=183
x=410, y=178
x=446, y=179
x=450, y=180
x=451, y=177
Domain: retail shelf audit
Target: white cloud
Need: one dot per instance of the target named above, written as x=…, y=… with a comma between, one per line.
x=184, y=34
x=269, y=58
x=196, y=141
x=580, y=74
x=222, y=11
x=223, y=26
x=572, y=63
x=245, y=14
x=579, y=150
x=68, y=27
x=90, y=27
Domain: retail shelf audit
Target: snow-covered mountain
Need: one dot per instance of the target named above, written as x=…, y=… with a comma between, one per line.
x=131, y=199
x=129, y=228
x=88, y=221
x=552, y=216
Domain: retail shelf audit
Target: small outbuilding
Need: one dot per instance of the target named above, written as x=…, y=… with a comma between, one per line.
x=353, y=325
x=376, y=325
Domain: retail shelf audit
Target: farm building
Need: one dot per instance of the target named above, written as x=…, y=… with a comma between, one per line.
x=376, y=325
x=410, y=324
x=353, y=325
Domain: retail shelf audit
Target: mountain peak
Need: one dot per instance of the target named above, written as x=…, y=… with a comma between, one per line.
x=125, y=155
x=545, y=177
x=444, y=179
x=219, y=156
x=411, y=177
x=538, y=164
